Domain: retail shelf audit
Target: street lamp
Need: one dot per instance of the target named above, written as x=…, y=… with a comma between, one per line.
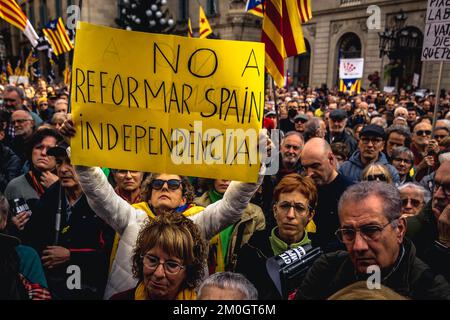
x=388, y=38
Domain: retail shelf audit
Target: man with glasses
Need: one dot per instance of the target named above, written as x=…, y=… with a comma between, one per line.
x=24, y=128
x=13, y=99
x=424, y=149
x=370, y=145
x=414, y=197
x=430, y=230
x=403, y=160
x=373, y=232
x=300, y=121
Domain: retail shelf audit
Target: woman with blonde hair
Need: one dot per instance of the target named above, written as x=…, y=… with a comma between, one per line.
x=376, y=172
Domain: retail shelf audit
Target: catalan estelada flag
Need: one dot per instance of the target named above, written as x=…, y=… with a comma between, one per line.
x=205, y=28
x=255, y=7
x=190, y=33
x=282, y=34
x=350, y=85
x=55, y=32
x=11, y=12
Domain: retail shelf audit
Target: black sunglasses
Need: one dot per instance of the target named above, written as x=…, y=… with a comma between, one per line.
x=376, y=177
x=422, y=132
x=172, y=184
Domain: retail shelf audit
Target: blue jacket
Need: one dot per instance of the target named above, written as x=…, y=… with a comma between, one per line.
x=353, y=167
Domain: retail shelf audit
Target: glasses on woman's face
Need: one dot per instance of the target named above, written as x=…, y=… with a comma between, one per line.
x=376, y=177
x=400, y=160
x=170, y=267
x=414, y=202
x=172, y=184
x=370, y=232
x=286, y=206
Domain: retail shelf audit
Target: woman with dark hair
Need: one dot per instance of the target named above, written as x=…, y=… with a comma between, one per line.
x=295, y=199
x=168, y=261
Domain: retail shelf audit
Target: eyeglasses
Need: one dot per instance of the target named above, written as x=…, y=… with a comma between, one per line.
x=9, y=100
x=43, y=104
x=301, y=120
x=414, y=202
x=445, y=188
x=369, y=232
x=376, y=177
x=366, y=140
x=423, y=132
x=440, y=136
x=286, y=206
x=172, y=184
x=170, y=266
x=20, y=121
x=407, y=161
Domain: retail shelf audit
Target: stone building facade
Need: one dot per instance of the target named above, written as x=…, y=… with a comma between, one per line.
x=338, y=29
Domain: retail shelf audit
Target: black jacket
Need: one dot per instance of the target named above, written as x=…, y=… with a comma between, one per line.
x=422, y=230
x=87, y=237
x=10, y=166
x=251, y=262
x=412, y=278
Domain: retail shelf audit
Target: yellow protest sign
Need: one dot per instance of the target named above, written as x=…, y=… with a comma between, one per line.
x=163, y=103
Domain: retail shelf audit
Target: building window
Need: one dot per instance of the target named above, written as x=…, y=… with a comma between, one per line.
x=211, y=8
x=347, y=3
x=183, y=10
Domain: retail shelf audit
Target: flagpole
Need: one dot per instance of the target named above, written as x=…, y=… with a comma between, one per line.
x=276, y=104
x=69, y=107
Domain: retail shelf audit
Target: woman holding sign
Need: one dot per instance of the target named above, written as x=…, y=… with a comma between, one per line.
x=166, y=192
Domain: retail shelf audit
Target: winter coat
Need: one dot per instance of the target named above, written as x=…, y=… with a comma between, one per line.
x=10, y=166
x=127, y=220
x=353, y=167
x=412, y=278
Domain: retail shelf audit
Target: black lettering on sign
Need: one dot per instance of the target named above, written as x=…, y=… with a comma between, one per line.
x=251, y=56
x=78, y=84
x=199, y=59
x=157, y=49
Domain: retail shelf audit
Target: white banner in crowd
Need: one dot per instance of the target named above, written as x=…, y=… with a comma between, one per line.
x=351, y=68
x=436, y=44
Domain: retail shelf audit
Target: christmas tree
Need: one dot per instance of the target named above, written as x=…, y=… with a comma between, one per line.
x=145, y=15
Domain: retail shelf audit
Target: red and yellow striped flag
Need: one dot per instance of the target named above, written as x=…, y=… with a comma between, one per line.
x=282, y=34
x=11, y=12
x=304, y=7
x=56, y=34
x=190, y=33
x=205, y=28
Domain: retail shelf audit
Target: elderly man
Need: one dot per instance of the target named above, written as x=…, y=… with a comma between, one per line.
x=290, y=150
x=319, y=163
x=337, y=133
x=24, y=128
x=424, y=149
x=373, y=232
x=430, y=230
x=414, y=197
x=164, y=191
x=369, y=151
x=13, y=99
x=300, y=121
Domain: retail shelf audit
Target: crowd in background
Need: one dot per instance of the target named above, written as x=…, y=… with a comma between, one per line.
x=365, y=177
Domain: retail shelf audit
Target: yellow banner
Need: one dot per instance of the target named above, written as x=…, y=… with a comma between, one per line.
x=167, y=104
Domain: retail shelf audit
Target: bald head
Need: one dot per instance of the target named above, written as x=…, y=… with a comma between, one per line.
x=318, y=161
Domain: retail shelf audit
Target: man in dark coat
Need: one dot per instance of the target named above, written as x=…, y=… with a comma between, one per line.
x=377, y=252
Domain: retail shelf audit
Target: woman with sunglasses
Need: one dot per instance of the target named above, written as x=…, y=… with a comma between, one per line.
x=163, y=191
x=295, y=199
x=168, y=261
x=376, y=172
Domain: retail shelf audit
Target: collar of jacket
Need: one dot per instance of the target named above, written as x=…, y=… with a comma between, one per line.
x=279, y=246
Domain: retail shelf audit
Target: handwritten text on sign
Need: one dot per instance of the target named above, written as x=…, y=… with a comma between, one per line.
x=139, y=99
x=436, y=46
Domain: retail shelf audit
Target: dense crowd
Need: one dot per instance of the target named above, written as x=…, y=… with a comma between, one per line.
x=364, y=177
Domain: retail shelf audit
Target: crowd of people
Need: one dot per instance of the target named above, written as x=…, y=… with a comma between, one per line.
x=364, y=177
